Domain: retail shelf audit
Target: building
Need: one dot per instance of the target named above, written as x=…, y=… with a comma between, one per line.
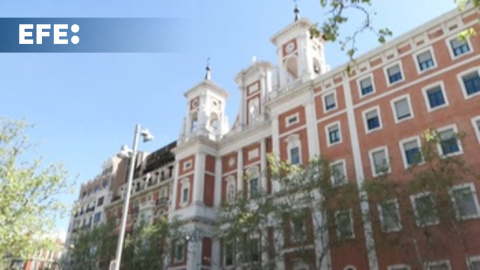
x=300, y=109
x=93, y=196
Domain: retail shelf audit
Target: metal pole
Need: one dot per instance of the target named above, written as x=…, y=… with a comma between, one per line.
x=123, y=225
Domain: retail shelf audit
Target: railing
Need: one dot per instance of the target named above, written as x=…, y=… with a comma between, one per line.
x=162, y=201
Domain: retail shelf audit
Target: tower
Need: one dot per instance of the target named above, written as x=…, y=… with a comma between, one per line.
x=205, y=111
x=300, y=56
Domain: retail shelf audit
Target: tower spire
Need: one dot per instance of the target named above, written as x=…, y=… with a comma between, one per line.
x=208, y=74
x=297, y=12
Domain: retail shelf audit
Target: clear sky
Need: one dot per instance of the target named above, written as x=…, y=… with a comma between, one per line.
x=85, y=106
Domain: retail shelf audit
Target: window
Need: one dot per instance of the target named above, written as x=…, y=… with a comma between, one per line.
x=398, y=267
x=338, y=172
x=411, y=151
x=290, y=120
x=179, y=251
x=449, y=144
x=435, y=97
x=471, y=83
x=394, y=74
x=299, y=232
x=474, y=263
x=425, y=210
x=229, y=258
x=390, y=216
x=187, y=165
x=293, y=149
x=440, y=265
x=255, y=250
x=366, y=86
x=372, y=120
x=97, y=217
x=344, y=224
x=476, y=126
x=230, y=190
x=100, y=201
x=379, y=161
x=253, y=187
x=465, y=201
x=334, y=134
x=459, y=47
x=425, y=60
x=402, y=109
x=330, y=101
x=185, y=195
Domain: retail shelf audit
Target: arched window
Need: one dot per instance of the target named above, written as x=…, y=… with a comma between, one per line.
x=291, y=67
x=294, y=149
x=194, y=123
x=185, y=191
x=214, y=122
x=253, y=110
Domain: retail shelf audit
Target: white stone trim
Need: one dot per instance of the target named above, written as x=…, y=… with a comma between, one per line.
x=294, y=117
x=476, y=126
x=395, y=116
x=390, y=65
x=397, y=213
x=365, y=123
x=439, y=262
x=185, y=184
x=293, y=141
x=462, y=85
x=459, y=142
x=472, y=259
x=402, y=143
x=450, y=48
x=417, y=63
x=327, y=127
x=352, y=225
x=471, y=186
x=429, y=87
x=413, y=199
x=344, y=167
x=372, y=160
x=398, y=267
x=369, y=76
x=328, y=93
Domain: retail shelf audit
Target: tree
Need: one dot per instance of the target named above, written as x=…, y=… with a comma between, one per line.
x=95, y=248
x=337, y=17
x=28, y=199
x=150, y=245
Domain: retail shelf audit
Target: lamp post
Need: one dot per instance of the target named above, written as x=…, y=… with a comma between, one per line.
x=125, y=152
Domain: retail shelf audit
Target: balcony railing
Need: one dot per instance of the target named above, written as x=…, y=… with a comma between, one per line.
x=162, y=201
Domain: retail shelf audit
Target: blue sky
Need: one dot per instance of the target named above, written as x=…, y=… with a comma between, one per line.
x=85, y=106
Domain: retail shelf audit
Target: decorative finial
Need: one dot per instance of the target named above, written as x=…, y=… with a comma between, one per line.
x=297, y=12
x=207, y=70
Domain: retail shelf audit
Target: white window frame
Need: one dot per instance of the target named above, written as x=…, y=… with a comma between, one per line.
x=327, y=127
x=414, y=206
x=293, y=236
x=450, y=48
x=372, y=160
x=252, y=173
x=439, y=262
x=292, y=116
x=292, y=142
x=395, y=116
x=230, y=181
x=417, y=64
x=402, y=143
x=382, y=222
x=344, y=165
x=365, y=123
x=185, y=184
x=476, y=127
x=472, y=259
x=455, y=130
x=187, y=165
x=331, y=92
x=352, y=225
x=425, y=96
x=387, y=77
x=175, y=259
x=369, y=76
x=462, y=85
x=396, y=266
x=471, y=186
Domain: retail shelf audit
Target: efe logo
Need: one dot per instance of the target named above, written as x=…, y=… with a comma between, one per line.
x=43, y=30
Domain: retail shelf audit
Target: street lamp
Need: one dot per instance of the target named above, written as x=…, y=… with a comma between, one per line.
x=132, y=153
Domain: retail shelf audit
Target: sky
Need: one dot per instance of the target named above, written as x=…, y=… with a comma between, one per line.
x=85, y=105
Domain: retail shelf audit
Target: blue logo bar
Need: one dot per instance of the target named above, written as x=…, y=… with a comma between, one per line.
x=77, y=35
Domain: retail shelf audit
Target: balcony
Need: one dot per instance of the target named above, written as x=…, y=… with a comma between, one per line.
x=162, y=201
x=90, y=209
